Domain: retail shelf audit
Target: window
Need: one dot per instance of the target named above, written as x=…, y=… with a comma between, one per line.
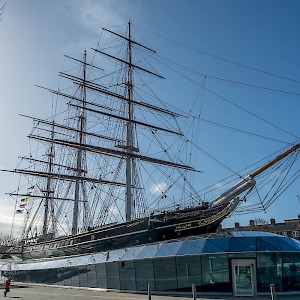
x=83, y=280
x=295, y=233
x=101, y=276
x=188, y=272
x=127, y=275
x=91, y=276
x=291, y=272
x=113, y=277
x=269, y=270
x=215, y=273
x=144, y=272
x=165, y=274
x=284, y=233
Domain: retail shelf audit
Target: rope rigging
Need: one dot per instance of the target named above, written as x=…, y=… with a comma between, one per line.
x=165, y=185
x=221, y=58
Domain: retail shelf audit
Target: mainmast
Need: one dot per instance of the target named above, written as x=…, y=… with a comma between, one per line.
x=82, y=121
x=129, y=132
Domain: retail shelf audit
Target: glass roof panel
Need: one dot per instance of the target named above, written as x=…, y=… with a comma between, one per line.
x=268, y=244
x=148, y=251
x=243, y=244
x=168, y=249
x=85, y=260
x=222, y=243
x=191, y=247
x=174, y=247
x=215, y=246
x=288, y=244
x=252, y=234
x=99, y=257
x=115, y=255
x=197, y=244
x=131, y=253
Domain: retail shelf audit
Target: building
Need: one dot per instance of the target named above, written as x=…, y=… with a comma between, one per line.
x=289, y=228
x=237, y=263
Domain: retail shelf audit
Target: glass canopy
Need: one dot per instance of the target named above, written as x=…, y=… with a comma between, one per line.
x=235, y=242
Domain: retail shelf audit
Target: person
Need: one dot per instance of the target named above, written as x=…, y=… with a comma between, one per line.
x=7, y=286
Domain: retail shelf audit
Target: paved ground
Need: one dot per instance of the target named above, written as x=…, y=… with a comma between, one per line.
x=47, y=293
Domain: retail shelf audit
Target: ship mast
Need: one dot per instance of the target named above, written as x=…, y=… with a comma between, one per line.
x=48, y=186
x=82, y=121
x=129, y=133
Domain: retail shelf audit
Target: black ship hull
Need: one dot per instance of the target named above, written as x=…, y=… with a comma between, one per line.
x=166, y=226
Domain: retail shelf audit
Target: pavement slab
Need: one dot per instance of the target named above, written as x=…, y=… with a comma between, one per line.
x=35, y=292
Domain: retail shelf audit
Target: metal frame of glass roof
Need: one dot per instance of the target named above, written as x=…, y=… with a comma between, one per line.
x=235, y=242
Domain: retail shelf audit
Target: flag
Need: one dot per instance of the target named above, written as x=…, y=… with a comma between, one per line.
x=31, y=187
x=19, y=211
x=22, y=205
x=24, y=200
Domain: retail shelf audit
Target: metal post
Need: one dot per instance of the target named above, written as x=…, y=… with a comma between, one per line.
x=149, y=291
x=273, y=294
x=194, y=292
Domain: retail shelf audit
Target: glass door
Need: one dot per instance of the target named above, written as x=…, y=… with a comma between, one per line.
x=244, y=281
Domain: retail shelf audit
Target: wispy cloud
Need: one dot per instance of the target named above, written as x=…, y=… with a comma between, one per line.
x=6, y=216
x=159, y=188
x=93, y=13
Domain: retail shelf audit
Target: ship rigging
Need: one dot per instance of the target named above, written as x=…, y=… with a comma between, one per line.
x=100, y=185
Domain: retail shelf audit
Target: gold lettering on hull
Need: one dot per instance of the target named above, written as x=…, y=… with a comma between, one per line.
x=203, y=222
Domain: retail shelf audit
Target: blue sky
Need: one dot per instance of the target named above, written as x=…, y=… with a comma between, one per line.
x=35, y=35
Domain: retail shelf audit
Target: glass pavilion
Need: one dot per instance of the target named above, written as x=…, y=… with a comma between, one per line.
x=239, y=263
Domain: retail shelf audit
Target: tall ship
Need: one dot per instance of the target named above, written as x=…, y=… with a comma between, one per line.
x=113, y=168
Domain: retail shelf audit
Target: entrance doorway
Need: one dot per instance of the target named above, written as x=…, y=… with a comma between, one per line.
x=243, y=277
